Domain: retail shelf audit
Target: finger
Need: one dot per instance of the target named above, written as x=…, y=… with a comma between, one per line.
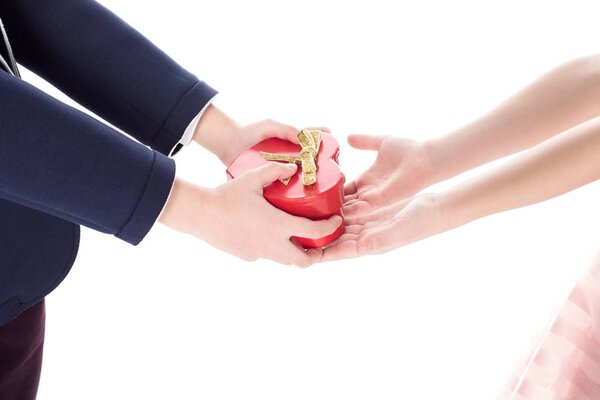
x=270, y=128
x=350, y=197
x=343, y=238
x=357, y=207
x=320, y=128
x=368, y=193
x=262, y=176
x=306, y=228
x=378, y=240
x=353, y=229
x=350, y=188
x=367, y=202
x=351, y=201
x=290, y=254
x=311, y=256
x=340, y=250
x=363, y=197
x=362, y=219
x=350, y=233
x=381, y=214
x=365, y=142
x=375, y=241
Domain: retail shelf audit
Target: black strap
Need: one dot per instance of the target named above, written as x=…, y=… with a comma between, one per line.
x=7, y=59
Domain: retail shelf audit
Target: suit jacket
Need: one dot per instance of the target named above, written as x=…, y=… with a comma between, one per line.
x=60, y=168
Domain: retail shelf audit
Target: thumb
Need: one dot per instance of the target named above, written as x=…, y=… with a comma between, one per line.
x=307, y=228
x=365, y=142
x=262, y=176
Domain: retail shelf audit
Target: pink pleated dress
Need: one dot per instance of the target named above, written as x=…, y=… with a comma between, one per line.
x=565, y=365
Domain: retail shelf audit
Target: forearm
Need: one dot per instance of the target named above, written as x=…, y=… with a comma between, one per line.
x=187, y=205
x=557, y=101
x=216, y=131
x=224, y=137
x=559, y=165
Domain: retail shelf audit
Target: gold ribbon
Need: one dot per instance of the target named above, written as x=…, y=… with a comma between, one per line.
x=310, y=140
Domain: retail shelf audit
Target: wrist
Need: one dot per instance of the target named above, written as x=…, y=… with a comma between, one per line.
x=458, y=206
x=433, y=161
x=425, y=169
x=184, y=207
x=216, y=131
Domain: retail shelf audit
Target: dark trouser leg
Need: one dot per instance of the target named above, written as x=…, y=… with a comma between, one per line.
x=21, y=347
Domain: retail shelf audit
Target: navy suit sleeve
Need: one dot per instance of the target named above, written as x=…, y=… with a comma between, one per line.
x=60, y=161
x=107, y=66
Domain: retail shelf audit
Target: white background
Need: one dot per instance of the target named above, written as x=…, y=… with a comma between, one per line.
x=445, y=318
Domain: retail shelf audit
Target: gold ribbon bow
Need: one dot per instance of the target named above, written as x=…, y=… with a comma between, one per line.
x=310, y=140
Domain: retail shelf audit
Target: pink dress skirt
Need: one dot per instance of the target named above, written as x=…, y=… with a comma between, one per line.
x=566, y=363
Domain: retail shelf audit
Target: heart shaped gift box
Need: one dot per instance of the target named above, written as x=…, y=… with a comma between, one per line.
x=320, y=200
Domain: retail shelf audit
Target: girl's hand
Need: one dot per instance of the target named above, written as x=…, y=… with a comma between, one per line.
x=402, y=168
x=389, y=227
x=554, y=167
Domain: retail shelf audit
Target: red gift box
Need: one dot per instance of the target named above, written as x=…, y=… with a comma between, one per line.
x=317, y=201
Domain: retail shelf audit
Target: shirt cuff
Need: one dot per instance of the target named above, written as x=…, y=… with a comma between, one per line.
x=188, y=135
x=179, y=117
x=186, y=139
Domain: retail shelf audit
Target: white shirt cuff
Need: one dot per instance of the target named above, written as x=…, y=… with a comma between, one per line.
x=185, y=140
x=188, y=135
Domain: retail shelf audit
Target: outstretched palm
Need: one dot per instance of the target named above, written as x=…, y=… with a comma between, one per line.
x=388, y=228
x=400, y=170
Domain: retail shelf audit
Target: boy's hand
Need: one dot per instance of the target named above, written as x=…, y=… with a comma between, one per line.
x=236, y=218
x=227, y=139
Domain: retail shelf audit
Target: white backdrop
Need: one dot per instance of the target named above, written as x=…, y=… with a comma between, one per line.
x=445, y=318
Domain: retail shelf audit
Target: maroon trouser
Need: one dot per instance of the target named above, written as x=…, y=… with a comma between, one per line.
x=21, y=347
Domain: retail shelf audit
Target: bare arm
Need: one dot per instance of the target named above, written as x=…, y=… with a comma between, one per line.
x=560, y=99
x=557, y=101
x=557, y=166
x=561, y=164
